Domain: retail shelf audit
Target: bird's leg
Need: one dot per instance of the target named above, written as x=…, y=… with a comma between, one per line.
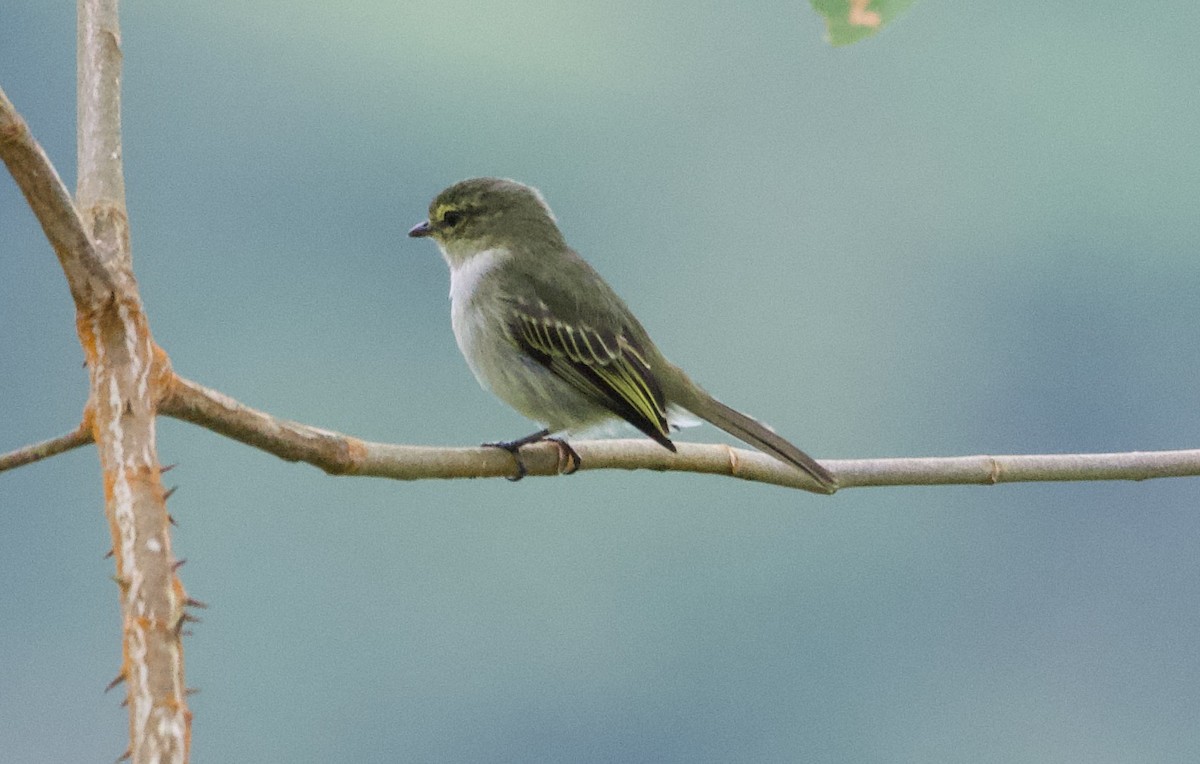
x=565, y=452
x=514, y=448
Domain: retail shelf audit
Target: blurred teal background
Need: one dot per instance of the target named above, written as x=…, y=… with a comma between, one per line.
x=974, y=233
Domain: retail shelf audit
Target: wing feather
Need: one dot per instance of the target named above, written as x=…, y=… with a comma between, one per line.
x=607, y=367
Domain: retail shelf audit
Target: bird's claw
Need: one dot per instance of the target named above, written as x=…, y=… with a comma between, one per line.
x=514, y=448
x=568, y=459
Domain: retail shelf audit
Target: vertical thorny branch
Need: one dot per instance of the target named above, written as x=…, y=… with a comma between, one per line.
x=128, y=376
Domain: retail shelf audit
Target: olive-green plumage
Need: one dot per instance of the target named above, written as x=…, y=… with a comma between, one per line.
x=541, y=329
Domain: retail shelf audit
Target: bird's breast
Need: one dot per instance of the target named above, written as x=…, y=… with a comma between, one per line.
x=476, y=314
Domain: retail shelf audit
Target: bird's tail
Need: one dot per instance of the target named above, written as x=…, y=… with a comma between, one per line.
x=691, y=397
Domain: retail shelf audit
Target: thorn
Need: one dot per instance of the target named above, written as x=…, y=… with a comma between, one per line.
x=128, y=408
x=187, y=633
x=121, y=582
x=167, y=493
x=167, y=468
x=192, y=602
x=125, y=702
x=185, y=618
x=125, y=756
x=171, y=520
x=191, y=691
x=108, y=554
x=116, y=681
x=178, y=564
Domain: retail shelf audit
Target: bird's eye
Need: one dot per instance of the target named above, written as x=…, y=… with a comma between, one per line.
x=451, y=218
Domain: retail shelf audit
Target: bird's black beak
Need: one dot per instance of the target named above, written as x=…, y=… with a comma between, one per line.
x=421, y=229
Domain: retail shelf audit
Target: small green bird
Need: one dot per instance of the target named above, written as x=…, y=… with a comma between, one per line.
x=547, y=335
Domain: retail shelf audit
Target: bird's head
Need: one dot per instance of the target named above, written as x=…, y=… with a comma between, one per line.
x=479, y=214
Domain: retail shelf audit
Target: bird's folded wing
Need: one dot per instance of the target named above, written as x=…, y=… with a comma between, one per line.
x=607, y=367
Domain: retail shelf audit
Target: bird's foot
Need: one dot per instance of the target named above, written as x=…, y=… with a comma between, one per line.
x=568, y=460
x=514, y=448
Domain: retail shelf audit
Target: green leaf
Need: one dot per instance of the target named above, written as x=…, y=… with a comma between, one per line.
x=848, y=21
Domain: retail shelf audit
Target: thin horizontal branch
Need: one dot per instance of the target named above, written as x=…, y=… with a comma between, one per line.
x=1015, y=468
x=340, y=454
x=52, y=205
x=47, y=448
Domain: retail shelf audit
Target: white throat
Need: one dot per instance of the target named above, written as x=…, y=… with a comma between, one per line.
x=465, y=277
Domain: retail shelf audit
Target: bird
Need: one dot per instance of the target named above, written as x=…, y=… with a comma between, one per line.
x=541, y=329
